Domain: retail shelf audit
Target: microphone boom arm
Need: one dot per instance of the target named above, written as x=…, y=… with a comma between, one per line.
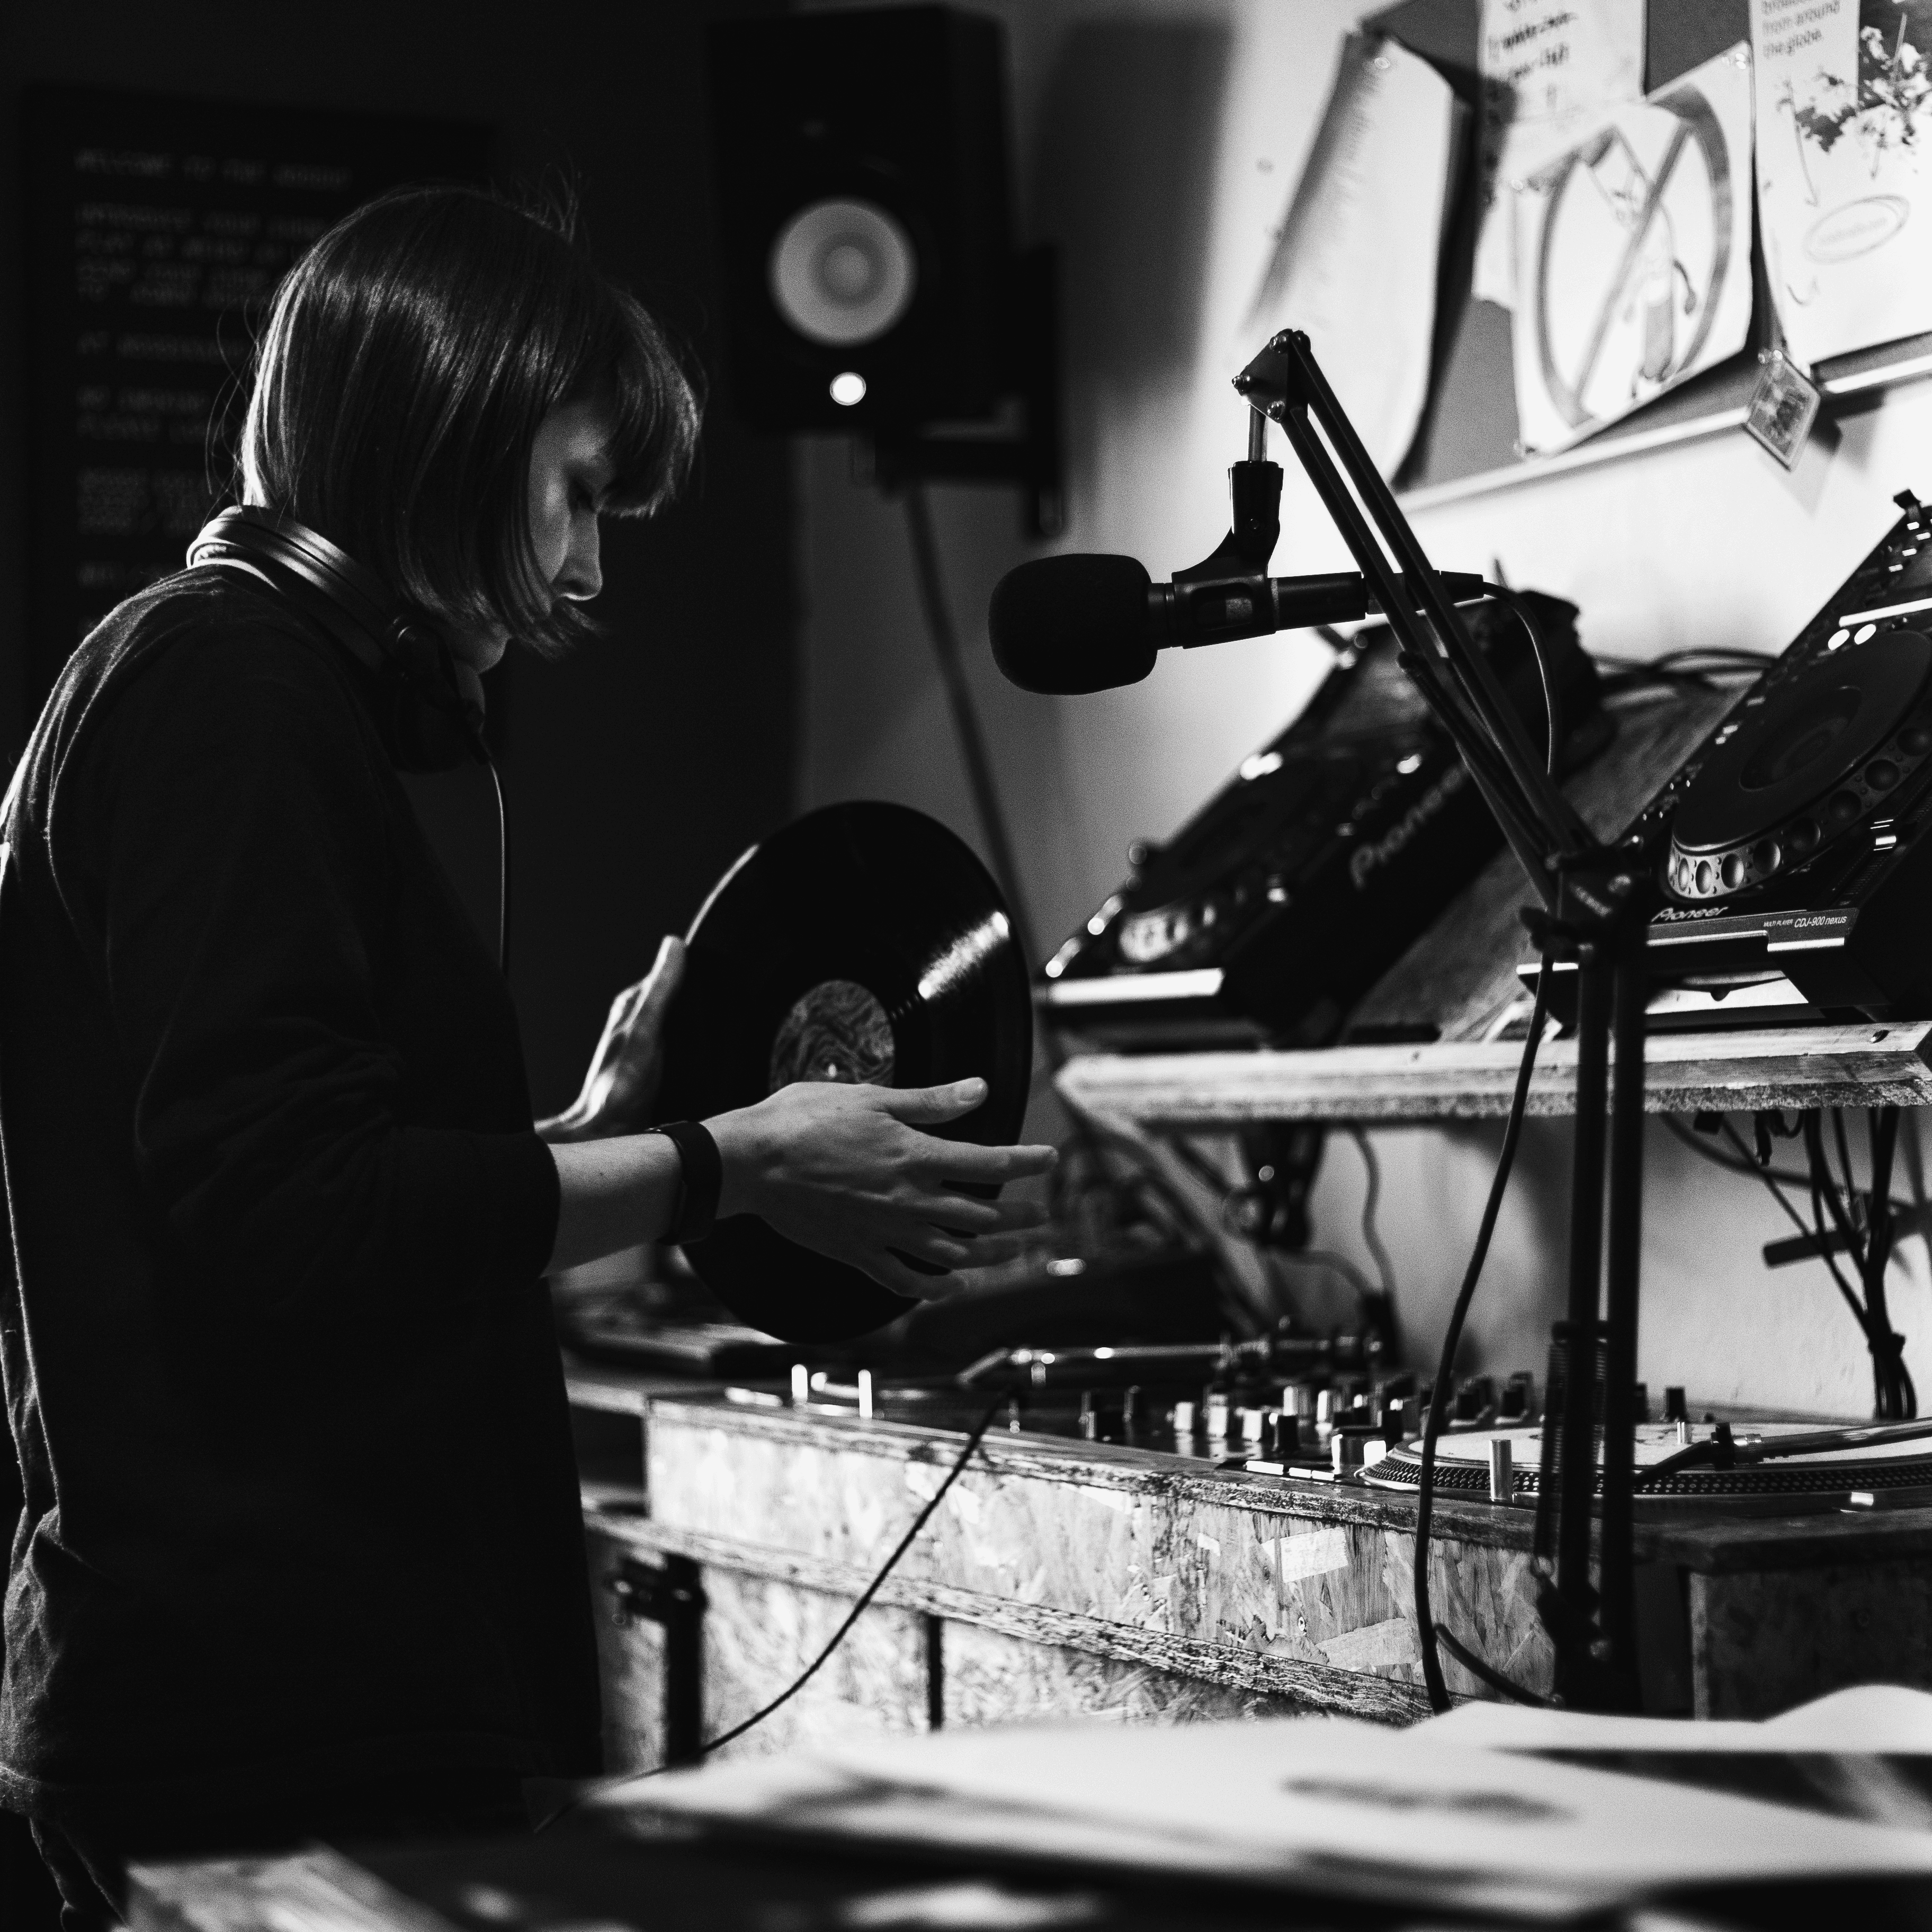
x=1284, y=384
x=1599, y=899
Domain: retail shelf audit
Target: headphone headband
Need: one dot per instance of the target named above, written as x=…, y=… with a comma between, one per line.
x=359, y=611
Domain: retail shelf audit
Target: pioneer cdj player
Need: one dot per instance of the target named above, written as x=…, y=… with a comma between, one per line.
x=1269, y=914
x=1791, y=846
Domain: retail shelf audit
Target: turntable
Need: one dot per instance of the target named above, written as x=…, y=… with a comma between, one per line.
x=1884, y=1472
x=1790, y=847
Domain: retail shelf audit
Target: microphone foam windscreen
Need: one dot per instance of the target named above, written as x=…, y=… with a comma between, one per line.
x=1072, y=624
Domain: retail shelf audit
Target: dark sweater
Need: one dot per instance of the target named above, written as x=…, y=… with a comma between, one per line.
x=300, y=1504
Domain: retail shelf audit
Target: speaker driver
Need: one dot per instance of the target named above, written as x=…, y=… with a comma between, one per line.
x=1822, y=755
x=843, y=272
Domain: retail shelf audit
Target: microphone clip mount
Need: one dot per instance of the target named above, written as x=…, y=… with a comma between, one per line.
x=1227, y=594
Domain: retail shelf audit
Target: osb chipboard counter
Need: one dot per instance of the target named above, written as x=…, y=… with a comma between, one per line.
x=1060, y=1577
x=1871, y=1064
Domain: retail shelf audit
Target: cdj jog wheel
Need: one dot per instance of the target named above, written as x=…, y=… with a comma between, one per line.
x=864, y=943
x=1819, y=755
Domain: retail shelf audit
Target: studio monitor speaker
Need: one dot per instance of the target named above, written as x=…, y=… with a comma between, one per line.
x=863, y=202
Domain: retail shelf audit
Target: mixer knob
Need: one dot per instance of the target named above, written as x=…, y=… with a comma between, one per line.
x=1100, y=1415
x=1517, y=1402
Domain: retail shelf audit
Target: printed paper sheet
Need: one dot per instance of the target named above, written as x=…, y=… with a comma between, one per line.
x=1549, y=69
x=1844, y=179
x=1329, y=1804
x=1356, y=264
x=1633, y=255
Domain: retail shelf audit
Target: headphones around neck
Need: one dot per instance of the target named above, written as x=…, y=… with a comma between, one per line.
x=435, y=705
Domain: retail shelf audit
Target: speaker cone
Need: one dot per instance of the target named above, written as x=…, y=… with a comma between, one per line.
x=843, y=272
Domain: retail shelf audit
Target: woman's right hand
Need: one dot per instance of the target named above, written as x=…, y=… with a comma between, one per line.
x=847, y=1171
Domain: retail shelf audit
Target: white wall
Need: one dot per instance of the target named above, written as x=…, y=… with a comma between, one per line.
x=1158, y=145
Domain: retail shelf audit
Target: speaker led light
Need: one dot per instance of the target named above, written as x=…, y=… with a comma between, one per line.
x=847, y=389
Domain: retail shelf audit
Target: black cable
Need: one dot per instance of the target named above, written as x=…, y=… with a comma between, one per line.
x=1844, y=1155
x=1372, y=1303
x=1439, y=1400
x=1814, y=1233
x=1553, y=708
x=1831, y=1260
x=1702, y=668
x=837, y=1636
x=503, y=870
x=872, y=1588
x=1150, y=1178
x=1485, y=1672
x=1882, y=1128
x=1372, y=1238
x=1702, y=1145
x=1885, y=1392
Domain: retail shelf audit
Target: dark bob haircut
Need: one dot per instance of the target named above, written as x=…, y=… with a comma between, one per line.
x=409, y=358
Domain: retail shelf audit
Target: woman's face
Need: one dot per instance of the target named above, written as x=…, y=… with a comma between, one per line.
x=571, y=473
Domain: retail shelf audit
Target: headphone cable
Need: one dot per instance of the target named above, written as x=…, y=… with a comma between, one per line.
x=837, y=1636
x=503, y=868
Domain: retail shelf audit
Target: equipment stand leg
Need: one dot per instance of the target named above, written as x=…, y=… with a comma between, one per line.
x=1575, y=1671
x=1619, y=1689
x=1594, y=1627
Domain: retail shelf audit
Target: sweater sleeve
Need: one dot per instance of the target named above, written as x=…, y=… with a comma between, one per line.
x=246, y=887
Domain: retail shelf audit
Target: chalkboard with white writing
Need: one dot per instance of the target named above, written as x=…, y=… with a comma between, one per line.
x=156, y=231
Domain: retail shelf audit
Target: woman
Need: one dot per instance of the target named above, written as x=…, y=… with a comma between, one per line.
x=301, y=1551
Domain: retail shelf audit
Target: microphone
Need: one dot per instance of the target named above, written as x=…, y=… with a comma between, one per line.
x=1066, y=624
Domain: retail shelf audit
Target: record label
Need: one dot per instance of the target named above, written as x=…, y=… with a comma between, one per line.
x=838, y=1032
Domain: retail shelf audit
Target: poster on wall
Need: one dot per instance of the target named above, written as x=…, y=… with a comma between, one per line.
x=1549, y=69
x=1633, y=256
x=1844, y=181
x=1355, y=267
x=156, y=230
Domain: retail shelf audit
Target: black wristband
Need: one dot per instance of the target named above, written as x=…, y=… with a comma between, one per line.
x=704, y=1176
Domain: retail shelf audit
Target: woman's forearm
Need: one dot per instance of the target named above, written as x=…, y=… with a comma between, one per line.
x=616, y=1193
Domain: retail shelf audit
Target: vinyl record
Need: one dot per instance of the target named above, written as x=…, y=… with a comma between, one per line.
x=864, y=943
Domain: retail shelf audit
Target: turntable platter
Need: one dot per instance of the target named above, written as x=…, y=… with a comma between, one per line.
x=1809, y=738
x=1817, y=1480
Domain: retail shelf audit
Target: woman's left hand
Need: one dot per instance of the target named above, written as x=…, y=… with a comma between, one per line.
x=629, y=1063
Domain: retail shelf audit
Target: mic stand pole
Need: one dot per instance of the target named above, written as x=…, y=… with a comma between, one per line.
x=1597, y=904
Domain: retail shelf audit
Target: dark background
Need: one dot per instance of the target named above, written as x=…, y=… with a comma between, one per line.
x=638, y=768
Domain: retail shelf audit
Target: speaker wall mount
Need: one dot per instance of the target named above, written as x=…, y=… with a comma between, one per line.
x=873, y=287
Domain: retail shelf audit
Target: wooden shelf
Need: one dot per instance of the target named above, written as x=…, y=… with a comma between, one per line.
x=1866, y=1066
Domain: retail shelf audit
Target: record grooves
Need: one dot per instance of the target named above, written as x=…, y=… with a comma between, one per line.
x=863, y=943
